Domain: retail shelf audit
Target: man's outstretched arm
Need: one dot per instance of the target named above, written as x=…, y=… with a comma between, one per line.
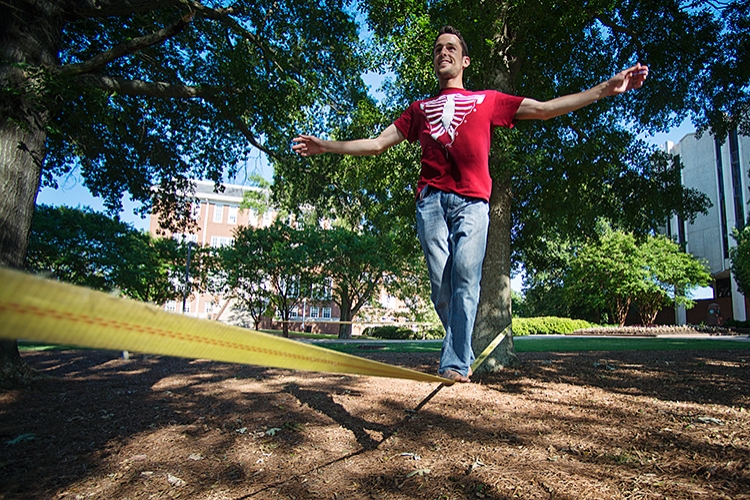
x=308, y=145
x=631, y=78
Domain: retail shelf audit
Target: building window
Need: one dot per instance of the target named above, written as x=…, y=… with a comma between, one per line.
x=293, y=313
x=232, y=215
x=327, y=312
x=723, y=288
x=722, y=198
x=218, y=213
x=292, y=287
x=184, y=238
x=734, y=160
x=314, y=312
x=170, y=306
x=221, y=241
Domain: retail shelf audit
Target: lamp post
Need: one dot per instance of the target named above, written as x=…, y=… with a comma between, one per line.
x=187, y=276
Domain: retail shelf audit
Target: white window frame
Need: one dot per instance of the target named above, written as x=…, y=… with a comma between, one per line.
x=218, y=213
x=221, y=241
x=326, y=313
x=314, y=312
x=232, y=214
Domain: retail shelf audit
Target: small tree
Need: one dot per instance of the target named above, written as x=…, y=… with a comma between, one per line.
x=241, y=279
x=740, y=259
x=278, y=256
x=670, y=274
x=357, y=263
x=606, y=275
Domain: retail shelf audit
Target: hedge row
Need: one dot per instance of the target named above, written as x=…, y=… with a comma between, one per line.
x=392, y=332
x=549, y=325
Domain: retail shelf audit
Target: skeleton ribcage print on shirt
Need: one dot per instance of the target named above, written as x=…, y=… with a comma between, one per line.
x=447, y=112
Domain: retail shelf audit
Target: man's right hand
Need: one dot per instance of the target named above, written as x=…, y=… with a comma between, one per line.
x=308, y=145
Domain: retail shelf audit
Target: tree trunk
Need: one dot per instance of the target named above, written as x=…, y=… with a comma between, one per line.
x=494, y=313
x=29, y=38
x=345, y=327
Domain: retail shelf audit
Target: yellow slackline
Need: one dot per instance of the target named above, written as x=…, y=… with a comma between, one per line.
x=41, y=310
x=488, y=350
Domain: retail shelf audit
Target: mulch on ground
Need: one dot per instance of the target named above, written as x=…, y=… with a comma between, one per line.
x=615, y=425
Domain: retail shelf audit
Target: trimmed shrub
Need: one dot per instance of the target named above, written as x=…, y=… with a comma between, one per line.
x=547, y=325
x=393, y=332
x=390, y=332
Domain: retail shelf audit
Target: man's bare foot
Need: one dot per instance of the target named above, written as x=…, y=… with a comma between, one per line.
x=454, y=376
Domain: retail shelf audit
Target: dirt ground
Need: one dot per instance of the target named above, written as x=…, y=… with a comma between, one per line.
x=616, y=425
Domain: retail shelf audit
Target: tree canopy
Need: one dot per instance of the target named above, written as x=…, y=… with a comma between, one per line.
x=740, y=259
x=90, y=249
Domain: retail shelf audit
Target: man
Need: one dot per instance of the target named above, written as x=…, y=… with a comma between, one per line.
x=454, y=131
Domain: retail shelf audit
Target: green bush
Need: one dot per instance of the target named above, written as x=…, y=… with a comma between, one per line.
x=737, y=323
x=392, y=332
x=547, y=325
x=432, y=333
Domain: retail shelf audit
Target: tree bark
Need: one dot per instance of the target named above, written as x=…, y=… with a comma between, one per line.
x=494, y=312
x=29, y=38
x=345, y=327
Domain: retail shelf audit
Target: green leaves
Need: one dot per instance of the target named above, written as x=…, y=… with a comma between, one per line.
x=740, y=259
x=275, y=266
x=619, y=271
x=87, y=248
x=154, y=94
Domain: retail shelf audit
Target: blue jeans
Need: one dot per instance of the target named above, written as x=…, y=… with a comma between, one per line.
x=453, y=232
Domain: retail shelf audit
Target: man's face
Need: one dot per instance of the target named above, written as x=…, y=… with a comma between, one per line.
x=447, y=57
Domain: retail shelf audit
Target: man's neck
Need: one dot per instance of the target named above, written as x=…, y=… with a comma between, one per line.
x=451, y=83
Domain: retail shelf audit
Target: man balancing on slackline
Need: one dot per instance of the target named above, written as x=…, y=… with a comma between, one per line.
x=454, y=130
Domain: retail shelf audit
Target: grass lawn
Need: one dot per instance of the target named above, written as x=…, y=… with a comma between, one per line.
x=554, y=344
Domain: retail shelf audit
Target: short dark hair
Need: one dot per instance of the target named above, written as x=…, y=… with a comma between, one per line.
x=450, y=30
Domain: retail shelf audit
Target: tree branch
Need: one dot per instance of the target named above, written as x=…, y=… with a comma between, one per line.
x=224, y=16
x=242, y=127
x=108, y=8
x=609, y=23
x=150, y=89
x=100, y=60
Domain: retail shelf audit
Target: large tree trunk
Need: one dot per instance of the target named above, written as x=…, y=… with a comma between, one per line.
x=29, y=35
x=494, y=313
x=345, y=327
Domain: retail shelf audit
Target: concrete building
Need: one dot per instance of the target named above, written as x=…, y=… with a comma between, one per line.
x=720, y=171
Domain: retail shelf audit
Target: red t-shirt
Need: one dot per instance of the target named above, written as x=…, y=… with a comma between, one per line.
x=454, y=129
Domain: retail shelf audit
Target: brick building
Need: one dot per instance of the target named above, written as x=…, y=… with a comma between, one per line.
x=217, y=215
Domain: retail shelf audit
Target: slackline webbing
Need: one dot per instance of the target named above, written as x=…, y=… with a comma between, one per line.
x=42, y=310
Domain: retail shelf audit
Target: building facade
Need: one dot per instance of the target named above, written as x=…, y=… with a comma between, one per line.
x=719, y=170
